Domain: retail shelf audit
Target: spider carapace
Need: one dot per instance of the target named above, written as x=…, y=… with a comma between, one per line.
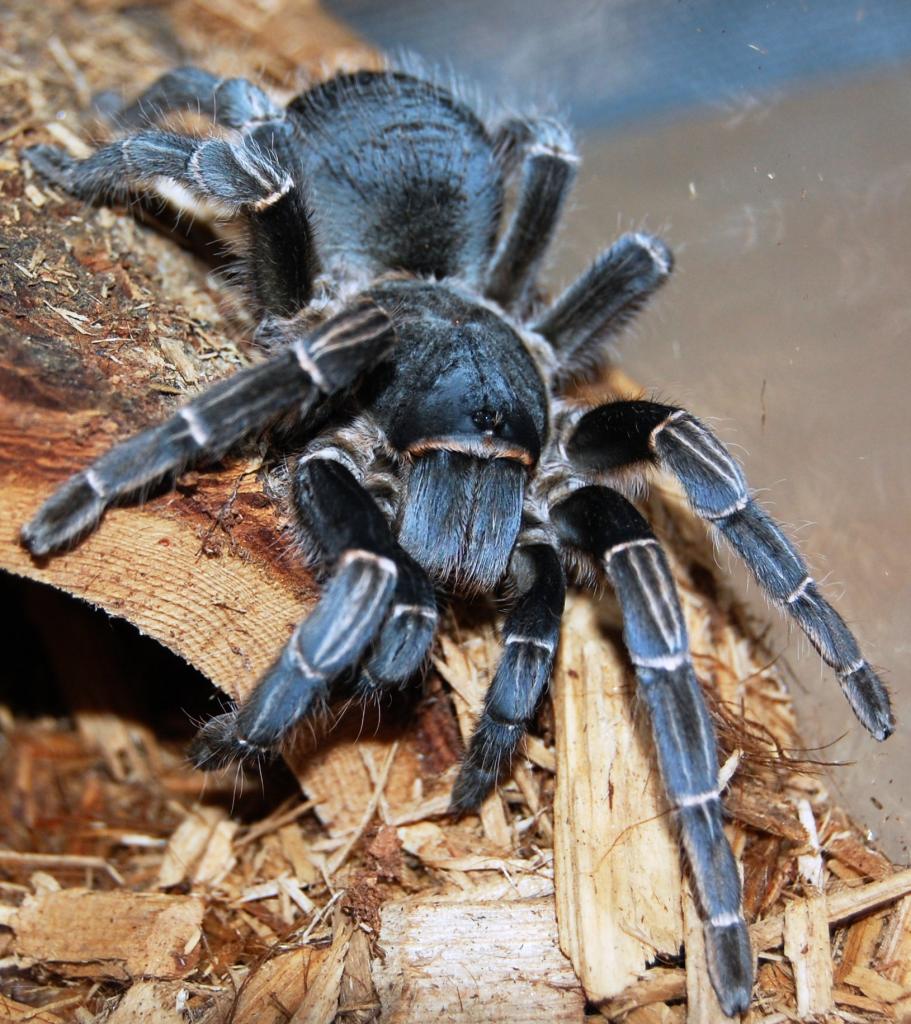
x=406, y=331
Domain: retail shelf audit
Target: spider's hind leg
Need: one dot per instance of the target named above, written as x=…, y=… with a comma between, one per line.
x=241, y=176
x=231, y=102
x=358, y=607
x=548, y=170
x=530, y=636
x=622, y=433
x=255, y=176
x=605, y=528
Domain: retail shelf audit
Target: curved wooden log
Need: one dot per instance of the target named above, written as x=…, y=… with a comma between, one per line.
x=105, y=326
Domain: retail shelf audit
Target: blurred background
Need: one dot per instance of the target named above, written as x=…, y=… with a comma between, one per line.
x=770, y=144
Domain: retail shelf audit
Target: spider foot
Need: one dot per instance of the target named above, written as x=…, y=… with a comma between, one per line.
x=219, y=744
x=869, y=700
x=492, y=748
x=54, y=164
x=730, y=963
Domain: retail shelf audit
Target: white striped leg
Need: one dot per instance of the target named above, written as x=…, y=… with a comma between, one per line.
x=330, y=641
x=336, y=512
x=313, y=366
x=238, y=175
x=530, y=636
x=604, y=526
x=355, y=611
x=402, y=646
x=602, y=300
x=716, y=488
x=622, y=433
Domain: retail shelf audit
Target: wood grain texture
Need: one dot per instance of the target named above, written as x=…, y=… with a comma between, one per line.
x=618, y=874
x=459, y=960
x=119, y=935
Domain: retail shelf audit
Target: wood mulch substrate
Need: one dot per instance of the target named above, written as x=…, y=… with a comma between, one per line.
x=133, y=888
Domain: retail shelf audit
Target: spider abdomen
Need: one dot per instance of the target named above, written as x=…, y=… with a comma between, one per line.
x=401, y=175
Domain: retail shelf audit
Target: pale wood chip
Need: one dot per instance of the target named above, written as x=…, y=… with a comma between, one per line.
x=200, y=849
x=842, y=905
x=358, y=1001
x=118, y=935
x=66, y=861
x=461, y=962
x=175, y=353
x=320, y=1004
x=875, y=985
x=658, y=1013
x=540, y=754
x=273, y=991
x=806, y=945
x=70, y=141
x=147, y=1001
x=618, y=873
x=335, y=776
x=851, y=851
x=859, y=943
x=660, y=985
x=810, y=865
x=750, y=804
x=298, y=854
x=845, y=997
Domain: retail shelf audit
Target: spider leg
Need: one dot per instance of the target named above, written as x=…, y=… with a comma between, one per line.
x=548, y=169
x=402, y=644
x=356, y=606
x=604, y=526
x=313, y=366
x=249, y=175
x=604, y=299
x=238, y=175
x=230, y=102
x=530, y=636
x=625, y=432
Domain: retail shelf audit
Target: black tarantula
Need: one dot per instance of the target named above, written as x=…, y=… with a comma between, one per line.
x=407, y=334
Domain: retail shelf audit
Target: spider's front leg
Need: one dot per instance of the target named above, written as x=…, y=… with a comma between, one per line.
x=604, y=527
x=312, y=367
x=530, y=636
x=548, y=169
x=623, y=433
x=377, y=595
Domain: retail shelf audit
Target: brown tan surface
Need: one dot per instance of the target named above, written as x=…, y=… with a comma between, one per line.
x=363, y=901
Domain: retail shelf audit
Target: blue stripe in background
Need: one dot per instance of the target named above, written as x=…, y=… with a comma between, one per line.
x=612, y=64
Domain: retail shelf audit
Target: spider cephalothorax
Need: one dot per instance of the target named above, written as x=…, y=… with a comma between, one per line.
x=406, y=330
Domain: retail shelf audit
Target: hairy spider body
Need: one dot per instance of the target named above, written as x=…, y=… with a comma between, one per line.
x=406, y=332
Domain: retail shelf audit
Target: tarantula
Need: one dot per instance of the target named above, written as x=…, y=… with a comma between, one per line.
x=408, y=337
